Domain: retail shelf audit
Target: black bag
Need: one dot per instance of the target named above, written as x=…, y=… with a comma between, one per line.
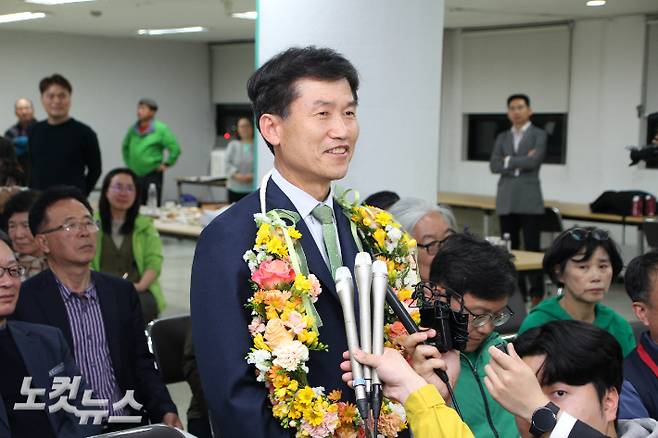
x=613, y=202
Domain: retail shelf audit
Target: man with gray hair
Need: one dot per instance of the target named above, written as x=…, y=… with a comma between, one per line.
x=428, y=223
x=18, y=134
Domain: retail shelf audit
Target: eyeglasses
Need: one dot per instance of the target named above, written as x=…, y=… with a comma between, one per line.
x=74, y=227
x=13, y=271
x=433, y=247
x=121, y=188
x=581, y=234
x=497, y=319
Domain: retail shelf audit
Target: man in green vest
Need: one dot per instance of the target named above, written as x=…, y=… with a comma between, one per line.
x=144, y=145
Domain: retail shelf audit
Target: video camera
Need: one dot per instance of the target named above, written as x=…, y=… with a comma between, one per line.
x=437, y=313
x=643, y=153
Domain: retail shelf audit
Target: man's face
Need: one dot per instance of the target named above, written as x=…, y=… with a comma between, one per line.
x=144, y=113
x=648, y=312
x=56, y=100
x=9, y=286
x=245, y=130
x=518, y=112
x=581, y=402
x=588, y=281
x=75, y=247
x=315, y=142
x=478, y=306
x=431, y=229
x=19, y=232
x=24, y=110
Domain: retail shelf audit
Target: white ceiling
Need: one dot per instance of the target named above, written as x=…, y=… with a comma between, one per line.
x=122, y=18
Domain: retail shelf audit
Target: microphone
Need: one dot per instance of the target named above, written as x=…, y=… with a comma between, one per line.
x=409, y=324
x=345, y=290
x=379, y=286
x=362, y=271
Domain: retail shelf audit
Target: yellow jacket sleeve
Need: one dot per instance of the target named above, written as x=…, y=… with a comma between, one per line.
x=430, y=417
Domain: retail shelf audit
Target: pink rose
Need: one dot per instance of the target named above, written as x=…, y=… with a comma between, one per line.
x=272, y=273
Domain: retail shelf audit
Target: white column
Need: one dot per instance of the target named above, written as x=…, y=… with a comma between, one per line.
x=396, y=47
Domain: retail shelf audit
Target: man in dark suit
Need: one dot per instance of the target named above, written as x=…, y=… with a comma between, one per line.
x=36, y=351
x=305, y=105
x=517, y=156
x=99, y=314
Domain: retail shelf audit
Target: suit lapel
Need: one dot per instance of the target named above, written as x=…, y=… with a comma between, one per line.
x=524, y=144
x=275, y=198
x=109, y=310
x=52, y=306
x=32, y=354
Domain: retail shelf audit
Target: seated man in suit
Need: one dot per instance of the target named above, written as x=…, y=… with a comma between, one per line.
x=563, y=379
x=517, y=156
x=30, y=350
x=99, y=314
x=305, y=103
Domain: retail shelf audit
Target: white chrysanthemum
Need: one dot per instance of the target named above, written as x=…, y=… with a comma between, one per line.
x=319, y=391
x=261, y=218
x=290, y=355
x=261, y=359
x=399, y=410
x=394, y=234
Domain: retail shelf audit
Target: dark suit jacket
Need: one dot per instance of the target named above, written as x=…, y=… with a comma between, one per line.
x=133, y=364
x=238, y=404
x=46, y=356
x=519, y=194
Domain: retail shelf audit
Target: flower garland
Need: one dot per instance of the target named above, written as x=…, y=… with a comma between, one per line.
x=284, y=325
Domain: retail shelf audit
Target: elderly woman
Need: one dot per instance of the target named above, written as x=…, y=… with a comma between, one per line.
x=27, y=252
x=428, y=223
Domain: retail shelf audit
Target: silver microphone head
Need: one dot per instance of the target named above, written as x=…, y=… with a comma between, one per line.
x=379, y=285
x=362, y=267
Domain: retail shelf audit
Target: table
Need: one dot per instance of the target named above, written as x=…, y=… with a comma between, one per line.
x=568, y=210
x=208, y=181
x=174, y=229
x=528, y=260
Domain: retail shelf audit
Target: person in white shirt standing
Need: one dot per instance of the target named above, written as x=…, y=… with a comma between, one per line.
x=517, y=156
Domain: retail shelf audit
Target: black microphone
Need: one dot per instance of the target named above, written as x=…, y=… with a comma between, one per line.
x=409, y=324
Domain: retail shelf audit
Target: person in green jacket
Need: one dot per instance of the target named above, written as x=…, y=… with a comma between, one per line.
x=478, y=278
x=143, y=148
x=582, y=262
x=128, y=244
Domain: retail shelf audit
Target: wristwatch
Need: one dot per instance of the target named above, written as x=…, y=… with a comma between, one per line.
x=544, y=419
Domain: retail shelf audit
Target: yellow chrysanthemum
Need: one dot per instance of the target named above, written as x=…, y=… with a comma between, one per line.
x=280, y=380
x=404, y=294
x=305, y=396
x=259, y=343
x=390, y=266
x=314, y=416
x=275, y=246
x=307, y=337
x=293, y=233
x=335, y=395
x=383, y=218
x=263, y=235
x=367, y=221
x=280, y=410
x=380, y=237
x=302, y=283
x=411, y=243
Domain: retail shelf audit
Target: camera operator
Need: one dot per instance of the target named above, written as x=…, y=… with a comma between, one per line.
x=479, y=278
x=427, y=413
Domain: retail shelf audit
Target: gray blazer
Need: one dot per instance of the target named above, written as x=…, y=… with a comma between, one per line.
x=519, y=194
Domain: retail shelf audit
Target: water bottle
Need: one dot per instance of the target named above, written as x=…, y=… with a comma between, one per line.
x=152, y=199
x=507, y=240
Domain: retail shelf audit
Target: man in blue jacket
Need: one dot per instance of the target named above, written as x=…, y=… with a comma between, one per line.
x=305, y=103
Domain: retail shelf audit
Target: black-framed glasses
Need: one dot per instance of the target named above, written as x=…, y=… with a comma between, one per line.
x=74, y=227
x=497, y=318
x=433, y=247
x=581, y=234
x=13, y=271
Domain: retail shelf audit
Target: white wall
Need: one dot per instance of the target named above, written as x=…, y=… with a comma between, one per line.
x=232, y=64
x=108, y=77
x=606, y=86
x=396, y=47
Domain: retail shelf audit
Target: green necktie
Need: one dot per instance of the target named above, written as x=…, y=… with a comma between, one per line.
x=324, y=214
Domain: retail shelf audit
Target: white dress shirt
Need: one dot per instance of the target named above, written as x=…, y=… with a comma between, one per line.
x=304, y=204
x=517, y=136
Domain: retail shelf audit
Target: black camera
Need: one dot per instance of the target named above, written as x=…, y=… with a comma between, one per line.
x=437, y=313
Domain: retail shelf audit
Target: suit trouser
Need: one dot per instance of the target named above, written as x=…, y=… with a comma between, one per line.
x=529, y=224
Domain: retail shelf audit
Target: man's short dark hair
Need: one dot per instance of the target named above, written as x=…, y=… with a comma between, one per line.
x=271, y=87
x=147, y=101
x=383, y=199
x=55, y=79
x=525, y=98
x=640, y=275
x=37, y=216
x=565, y=247
x=21, y=202
x=467, y=264
x=577, y=353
